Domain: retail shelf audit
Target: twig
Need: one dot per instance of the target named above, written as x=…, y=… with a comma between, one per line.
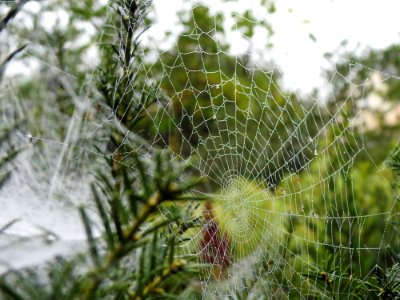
x=12, y=13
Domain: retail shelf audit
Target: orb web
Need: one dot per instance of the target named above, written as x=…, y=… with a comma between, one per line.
x=276, y=166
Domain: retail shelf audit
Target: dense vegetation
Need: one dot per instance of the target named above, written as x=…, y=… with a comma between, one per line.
x=335, y=226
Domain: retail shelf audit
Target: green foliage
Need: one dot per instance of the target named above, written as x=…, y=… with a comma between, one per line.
x=138, y=224
x=138, y=256
x=212, y=91
x=319, y=233
x=388, y=284
x=394, y=160
x=141, y=239
x=360, y=76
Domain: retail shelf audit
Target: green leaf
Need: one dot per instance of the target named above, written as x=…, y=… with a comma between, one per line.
x=90, y=237
x=104, y=217
x=9, y=291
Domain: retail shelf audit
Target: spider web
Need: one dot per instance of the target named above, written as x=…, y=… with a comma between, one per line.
x=276, y=166
x=278, y=172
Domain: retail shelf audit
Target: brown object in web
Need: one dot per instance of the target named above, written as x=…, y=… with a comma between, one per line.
x=214, y=245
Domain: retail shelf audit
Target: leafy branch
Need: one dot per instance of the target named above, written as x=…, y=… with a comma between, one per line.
x=137, y=199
